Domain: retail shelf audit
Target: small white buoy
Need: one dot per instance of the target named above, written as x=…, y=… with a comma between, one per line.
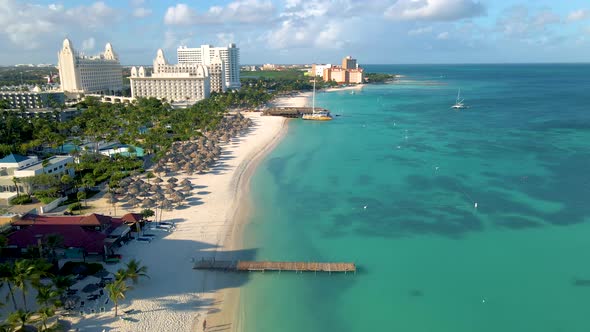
x=483, y=301
x=399, y=147
x=475, y=205
x=436, y=168
x=365, y=207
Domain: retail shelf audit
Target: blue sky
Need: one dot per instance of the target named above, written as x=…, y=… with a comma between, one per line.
x=300, y=31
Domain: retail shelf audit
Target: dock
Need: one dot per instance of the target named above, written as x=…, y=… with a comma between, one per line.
x=291, y=112
x=262, y=266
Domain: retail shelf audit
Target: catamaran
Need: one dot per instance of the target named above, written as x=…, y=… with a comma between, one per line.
x=319, y=115
x=459, y=102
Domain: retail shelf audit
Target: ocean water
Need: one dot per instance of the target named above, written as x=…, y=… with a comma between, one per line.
x=392, y=183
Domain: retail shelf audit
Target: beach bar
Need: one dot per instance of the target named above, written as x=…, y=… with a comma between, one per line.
x=262, y=266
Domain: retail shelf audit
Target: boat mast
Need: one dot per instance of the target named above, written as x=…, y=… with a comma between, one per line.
x=313, y=98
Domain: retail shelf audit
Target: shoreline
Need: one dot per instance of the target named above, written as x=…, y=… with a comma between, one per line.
x=243, y=207
x=176, y=297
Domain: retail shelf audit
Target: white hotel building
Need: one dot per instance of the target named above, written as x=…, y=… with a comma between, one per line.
x=89, y=74
x=184, y=82
x=207, y=54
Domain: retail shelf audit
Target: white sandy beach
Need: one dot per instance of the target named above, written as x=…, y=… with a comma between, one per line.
x=356, y=87
x=176, y=297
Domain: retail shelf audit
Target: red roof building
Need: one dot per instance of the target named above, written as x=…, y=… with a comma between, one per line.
x=94, y=233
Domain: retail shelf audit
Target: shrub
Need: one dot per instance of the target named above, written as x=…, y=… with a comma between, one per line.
x=75, y=206
x=21, y=199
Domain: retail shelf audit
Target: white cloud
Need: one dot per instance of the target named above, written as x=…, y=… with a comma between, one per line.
x=435, y=10
x=30, y=25
x=578, y=15
x=521, y=22
x=88, y=44
x=142, y=12
x=179, y=14
x=419, y=31
x=240, y=11
x=443, y=35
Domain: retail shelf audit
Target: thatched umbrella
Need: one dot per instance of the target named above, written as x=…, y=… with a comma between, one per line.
x=158, y=180
x=120, y=191
x=154, y=188
x=134, y=202
x=148, y=203
x=186, y=188
x=170, y=191
x=171, y=186
x=185, y=182
x=172, y=180
x=159, y=197
x=133, y=190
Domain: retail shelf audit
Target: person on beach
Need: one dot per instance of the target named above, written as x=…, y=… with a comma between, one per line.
x=204, y=325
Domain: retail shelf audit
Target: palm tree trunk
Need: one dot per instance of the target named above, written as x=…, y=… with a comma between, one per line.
x=116, y=307
x=12, y=295
x=25, y=299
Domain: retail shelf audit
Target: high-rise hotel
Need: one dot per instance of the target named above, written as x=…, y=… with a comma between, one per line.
x=100, y=73
x=183, y=82
x=208, y=55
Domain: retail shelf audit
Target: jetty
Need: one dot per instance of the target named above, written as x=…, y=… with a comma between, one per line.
x=291, y=112
x=262, y=266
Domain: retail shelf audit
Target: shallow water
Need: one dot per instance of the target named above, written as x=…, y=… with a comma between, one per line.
x=428, y=259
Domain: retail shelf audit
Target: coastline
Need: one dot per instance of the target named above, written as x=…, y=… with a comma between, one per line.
x=176, y=297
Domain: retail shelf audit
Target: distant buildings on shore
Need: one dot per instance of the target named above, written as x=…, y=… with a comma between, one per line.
x=78, y=73
x=182, y=82
x=207, y=55
x=348, y=73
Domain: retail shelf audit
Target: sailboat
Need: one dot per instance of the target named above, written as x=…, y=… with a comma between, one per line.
x=459, y=102
x=319, y=115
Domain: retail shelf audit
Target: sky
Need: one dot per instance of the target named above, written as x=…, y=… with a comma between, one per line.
x=303, y=31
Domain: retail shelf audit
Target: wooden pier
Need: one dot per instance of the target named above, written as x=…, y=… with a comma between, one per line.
x=246, y=266
x=291, y=112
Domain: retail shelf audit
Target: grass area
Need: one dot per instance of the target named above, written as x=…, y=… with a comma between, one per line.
x=73, y=198
x=286, y=74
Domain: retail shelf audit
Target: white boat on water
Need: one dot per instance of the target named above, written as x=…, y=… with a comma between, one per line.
x=459, y=102
x=316, y=115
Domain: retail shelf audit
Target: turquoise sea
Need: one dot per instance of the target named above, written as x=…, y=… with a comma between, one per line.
x=392, y=185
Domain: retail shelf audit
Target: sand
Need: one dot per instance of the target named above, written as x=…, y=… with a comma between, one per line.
x=356, y=87
x=176, y=297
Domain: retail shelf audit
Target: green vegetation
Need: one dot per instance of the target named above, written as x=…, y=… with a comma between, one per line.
x=21, y=200
x=291, y=74
x=378, y=77
x=24, y=75
x=118, y=289
x=25, y=274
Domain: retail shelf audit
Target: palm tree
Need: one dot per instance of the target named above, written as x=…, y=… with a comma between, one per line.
x=62, y=283
x=24, y=270
x=47, y=296
x=117, y=292
x=53, y=242
x=16, y=181
x=135, y=270
x=7, y=276
x=45, y=313
x=20, y=319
